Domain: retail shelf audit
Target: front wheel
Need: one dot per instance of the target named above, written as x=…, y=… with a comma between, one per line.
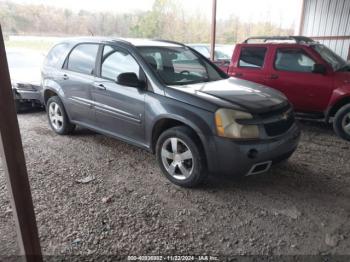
x=341, y=122
x=180, y=157
x=57, y=116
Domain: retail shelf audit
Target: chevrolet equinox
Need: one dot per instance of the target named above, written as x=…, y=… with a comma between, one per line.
x=169, y=99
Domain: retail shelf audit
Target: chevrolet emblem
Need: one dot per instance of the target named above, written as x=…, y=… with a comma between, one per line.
x=285, y=116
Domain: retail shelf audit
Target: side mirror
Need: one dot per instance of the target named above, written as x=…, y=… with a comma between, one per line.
x=129, y=79
x=319, y=69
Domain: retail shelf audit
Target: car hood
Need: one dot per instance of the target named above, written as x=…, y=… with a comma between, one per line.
x=249, y=96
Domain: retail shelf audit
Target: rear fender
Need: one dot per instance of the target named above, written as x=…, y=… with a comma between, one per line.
x=49, y=84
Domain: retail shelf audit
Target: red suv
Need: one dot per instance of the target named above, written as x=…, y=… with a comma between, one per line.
x=314, y=78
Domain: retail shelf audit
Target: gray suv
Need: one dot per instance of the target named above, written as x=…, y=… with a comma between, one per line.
x=170, y=100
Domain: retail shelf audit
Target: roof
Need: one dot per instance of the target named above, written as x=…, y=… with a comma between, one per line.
x=208, y=45
x=150, y=42
x=131, y=41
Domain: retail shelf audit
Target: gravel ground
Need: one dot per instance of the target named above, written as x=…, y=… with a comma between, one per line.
x=300, y=207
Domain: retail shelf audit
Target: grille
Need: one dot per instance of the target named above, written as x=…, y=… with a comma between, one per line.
x=276, y=112
x=281, y=126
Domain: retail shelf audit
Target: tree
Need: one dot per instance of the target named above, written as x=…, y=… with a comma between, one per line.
x=167, y=20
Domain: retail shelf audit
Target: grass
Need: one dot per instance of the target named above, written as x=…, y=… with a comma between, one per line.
x=43, y=46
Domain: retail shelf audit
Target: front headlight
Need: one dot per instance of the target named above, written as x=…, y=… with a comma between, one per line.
x=226, y=125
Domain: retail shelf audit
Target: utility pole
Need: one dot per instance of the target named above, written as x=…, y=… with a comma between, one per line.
x=213, y=31
x=15, y=167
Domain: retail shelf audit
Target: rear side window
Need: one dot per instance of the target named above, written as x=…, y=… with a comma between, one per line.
x=294, y=60
x=252, y=57
x=55, y=55
x=82, y=59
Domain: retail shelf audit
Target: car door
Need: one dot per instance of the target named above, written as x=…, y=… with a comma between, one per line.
x=77, y=81
x=292, y=73
x=251, y=64
x=119, y=109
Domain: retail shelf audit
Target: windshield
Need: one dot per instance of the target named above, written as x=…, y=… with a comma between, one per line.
x=179, y=65
x=329, y=56
x=222, y=52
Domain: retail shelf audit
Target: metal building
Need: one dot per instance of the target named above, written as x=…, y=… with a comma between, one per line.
x=327, y=21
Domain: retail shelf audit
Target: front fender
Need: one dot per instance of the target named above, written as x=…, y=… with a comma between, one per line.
x=161, y=107
x=340, y=94
x=201, y=121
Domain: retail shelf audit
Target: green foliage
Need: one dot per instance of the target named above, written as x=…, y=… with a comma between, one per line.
x=166, y=20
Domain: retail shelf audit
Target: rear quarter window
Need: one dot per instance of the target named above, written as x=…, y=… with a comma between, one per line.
x=56, y=55
x=252, y=57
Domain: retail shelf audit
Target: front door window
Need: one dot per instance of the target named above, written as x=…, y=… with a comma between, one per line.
x=115, y=62
x=293, y=60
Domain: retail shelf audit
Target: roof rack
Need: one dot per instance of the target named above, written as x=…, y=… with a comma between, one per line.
x=265, y=39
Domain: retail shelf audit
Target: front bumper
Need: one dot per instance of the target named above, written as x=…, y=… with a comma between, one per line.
x=233, y=158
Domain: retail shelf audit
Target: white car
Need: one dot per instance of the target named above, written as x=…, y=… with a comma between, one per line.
x=25, y=66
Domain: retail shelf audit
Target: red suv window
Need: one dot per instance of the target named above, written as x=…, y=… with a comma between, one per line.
x=294, y=60
x=252, y=57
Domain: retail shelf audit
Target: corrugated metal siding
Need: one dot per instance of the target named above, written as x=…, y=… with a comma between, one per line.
x=328, y=18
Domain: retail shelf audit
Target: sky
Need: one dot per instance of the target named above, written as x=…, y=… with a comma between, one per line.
x=281, y=12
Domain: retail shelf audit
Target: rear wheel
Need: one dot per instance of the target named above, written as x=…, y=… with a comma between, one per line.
x=57, y=116
x=341, y=122
x=180, y=157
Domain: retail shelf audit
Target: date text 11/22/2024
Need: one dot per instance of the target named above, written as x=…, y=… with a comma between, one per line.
x=173, y=258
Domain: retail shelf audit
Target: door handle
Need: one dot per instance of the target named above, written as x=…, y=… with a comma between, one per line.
x=100, y=87
x=238, y=74
x=274, y=76
x=65, y=77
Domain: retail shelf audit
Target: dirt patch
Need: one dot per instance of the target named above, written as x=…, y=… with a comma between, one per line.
x=301, y=207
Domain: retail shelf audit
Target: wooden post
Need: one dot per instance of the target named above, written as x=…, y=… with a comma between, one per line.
x=15, y=167
x=213, y=31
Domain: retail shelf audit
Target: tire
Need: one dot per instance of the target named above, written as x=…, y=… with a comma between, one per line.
x=57, y=116
x=187, y=167
x=341, y=123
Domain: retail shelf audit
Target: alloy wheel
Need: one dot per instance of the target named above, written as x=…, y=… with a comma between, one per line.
x=177, y=158
x=56, y=116
x=346, y=123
